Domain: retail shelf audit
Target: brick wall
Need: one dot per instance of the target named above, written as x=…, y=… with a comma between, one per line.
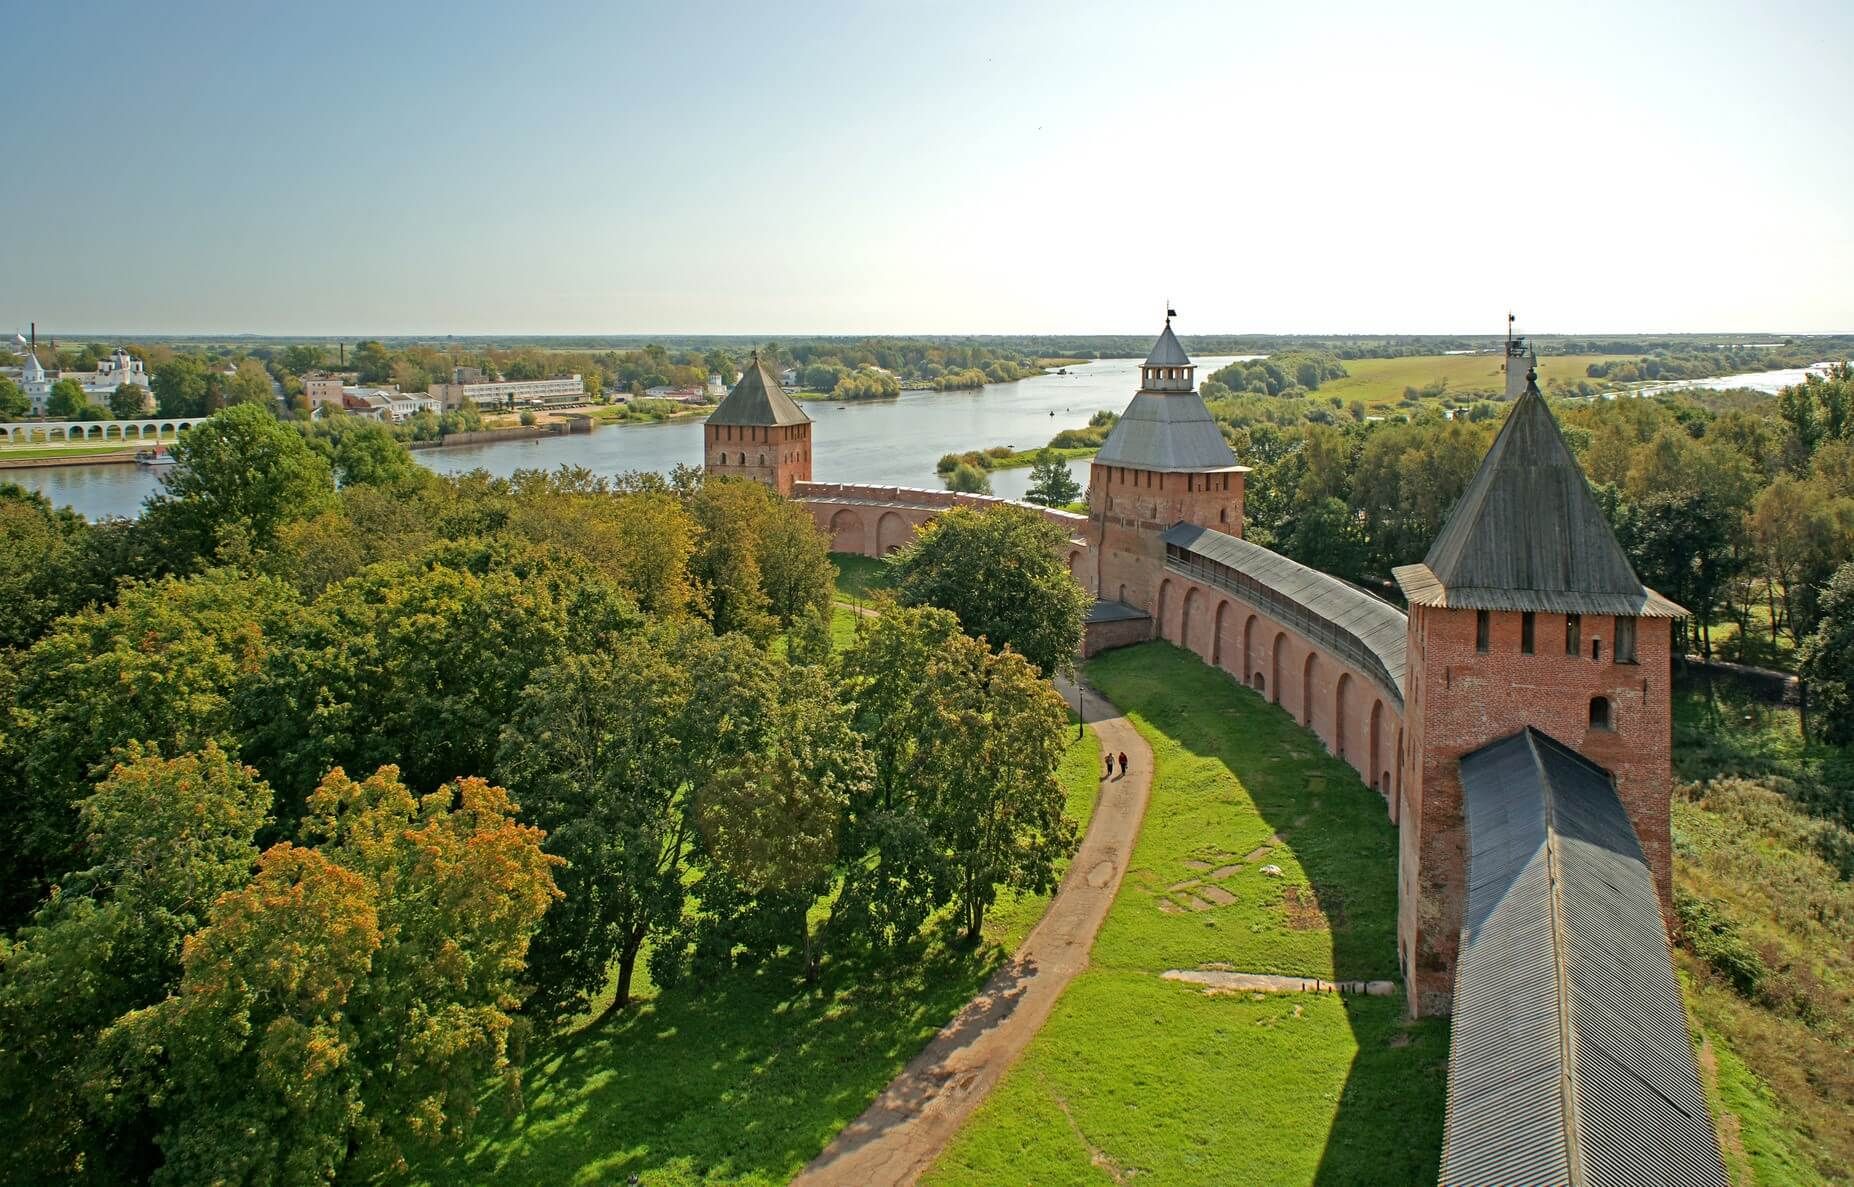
x=1459, y=699
x=777, y=455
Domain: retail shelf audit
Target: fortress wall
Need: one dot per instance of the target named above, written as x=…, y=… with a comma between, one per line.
x=877, y=520
x=1352, y=715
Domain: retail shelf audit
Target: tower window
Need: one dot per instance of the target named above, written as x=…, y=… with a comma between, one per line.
x=1482, y=630
x=1625, y=640
x=1599, y=714
x=1596, y=649
x=1573, y=634
x=1525, y=632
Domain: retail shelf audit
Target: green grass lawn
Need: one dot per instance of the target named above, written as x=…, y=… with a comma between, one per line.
x=859, y=578
x=745, y=1079
x=1134, y=1075
x=75, y=450
x=1381, y=382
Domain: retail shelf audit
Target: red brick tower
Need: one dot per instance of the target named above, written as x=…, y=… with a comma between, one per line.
x=1165, y=463
x=1524, y=613
x=757, y=432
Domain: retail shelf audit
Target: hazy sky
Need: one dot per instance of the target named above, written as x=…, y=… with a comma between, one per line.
x=459, y=167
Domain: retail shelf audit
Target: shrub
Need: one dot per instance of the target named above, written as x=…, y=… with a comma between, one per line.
x=1711, y=935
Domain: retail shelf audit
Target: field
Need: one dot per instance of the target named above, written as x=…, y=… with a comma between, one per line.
x=1380, y=383
x=745, y=1079
x=859, y=578
x=1135, y=1076
x=1780, y=1052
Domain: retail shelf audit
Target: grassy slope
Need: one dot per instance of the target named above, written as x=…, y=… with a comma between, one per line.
x=1379, y=382
x=859, y=578
x=746, y=1079
x=1133, y=1073
x=1781, y=1064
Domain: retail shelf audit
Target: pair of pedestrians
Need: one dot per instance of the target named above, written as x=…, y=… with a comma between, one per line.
x=1110, y=765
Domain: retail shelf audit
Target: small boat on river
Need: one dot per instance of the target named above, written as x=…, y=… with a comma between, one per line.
x=154, y=457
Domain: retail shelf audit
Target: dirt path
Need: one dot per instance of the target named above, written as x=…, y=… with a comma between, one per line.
x=898, y=1137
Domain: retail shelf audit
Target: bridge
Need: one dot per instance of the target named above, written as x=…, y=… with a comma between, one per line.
x=45, y=432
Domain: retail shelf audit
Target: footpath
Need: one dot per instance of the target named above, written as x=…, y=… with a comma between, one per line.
x=897, y=1138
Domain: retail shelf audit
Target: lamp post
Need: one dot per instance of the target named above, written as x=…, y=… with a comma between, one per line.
x=1081, y=708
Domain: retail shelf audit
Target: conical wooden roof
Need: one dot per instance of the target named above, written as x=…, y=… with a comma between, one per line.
x=758, y=400
x=1167, y=352
x=1528, y=534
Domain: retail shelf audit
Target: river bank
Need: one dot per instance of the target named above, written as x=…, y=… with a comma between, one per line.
x=112, y=457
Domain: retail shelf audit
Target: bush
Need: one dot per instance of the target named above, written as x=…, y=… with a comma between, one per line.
x=1711, y=935
x=527, y=416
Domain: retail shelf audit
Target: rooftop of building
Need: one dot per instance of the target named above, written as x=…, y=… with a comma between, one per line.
x=757, y=400
x=1570, y=1059
x=1527, y=534
x=1167, y=431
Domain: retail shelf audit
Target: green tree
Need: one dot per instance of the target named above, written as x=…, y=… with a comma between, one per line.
x=770, y=815
x=374, y=362
x=1326, y=535
x=1681, y=545
x=159, y=668
x=68, y=401
x=419, y=663
x=14, y=403
x=240, y=474
x=1051, y=484
x=963, y=797
x=760, y=558
x=1827, y=660
x=164, y=838
x=967, y=479
x=249, y=384
x=39, y=545
x=128, y=402
x=596, y=750
x=179, y=386
x=1000, y=570
x=367, y=452
x=343, y=1010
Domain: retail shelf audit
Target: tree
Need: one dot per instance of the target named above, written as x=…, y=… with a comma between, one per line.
x=38, y=547
x=596, y=752
x=244, y=473
x=771, y=814
x=14, y=403
x=1681, y=545
x=1326, y=536
x=761, y=558
x=968, y=479
x=164, y=838
x=963, y=796
x=128, y=401
x=1827, y=660
x=375, y=364
x=341, y=1011
x=249, y=384
x=179, y=386
x=1000, y=570
x=68, y=401
x=367, y=452
x=1051, y=484
x=418, y=663
x=159, y=668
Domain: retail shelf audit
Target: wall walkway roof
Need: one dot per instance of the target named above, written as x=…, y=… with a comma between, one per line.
x=1569, y=1060
x=1366, y=632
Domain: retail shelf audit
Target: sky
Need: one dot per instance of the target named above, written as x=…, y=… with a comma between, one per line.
x=1283, y=167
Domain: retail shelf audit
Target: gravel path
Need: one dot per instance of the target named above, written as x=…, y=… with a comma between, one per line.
x=897, y=1138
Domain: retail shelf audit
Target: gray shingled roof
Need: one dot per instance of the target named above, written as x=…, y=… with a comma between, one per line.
x=758, y=400
x=1569, y=1044
x=1528, y=534
x=1166, y=352
x=1367, y=632
x=1169, y=432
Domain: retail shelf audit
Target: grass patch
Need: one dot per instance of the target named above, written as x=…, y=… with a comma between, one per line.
x=859, y=578
x=1762, y=841
x=1381, y=382
x=1135, y=1074
x=745, y=1079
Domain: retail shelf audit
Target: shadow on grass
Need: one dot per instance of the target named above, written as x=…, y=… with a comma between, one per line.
x=741, y=1080
x=1388, y=1124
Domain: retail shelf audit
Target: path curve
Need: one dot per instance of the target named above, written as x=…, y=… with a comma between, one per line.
x=897, y=1138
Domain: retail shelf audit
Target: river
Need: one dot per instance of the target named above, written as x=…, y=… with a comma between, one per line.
x=884, y=441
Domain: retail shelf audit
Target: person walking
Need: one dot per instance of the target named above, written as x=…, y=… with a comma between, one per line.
x=1123, y=764
x=1110, y=766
